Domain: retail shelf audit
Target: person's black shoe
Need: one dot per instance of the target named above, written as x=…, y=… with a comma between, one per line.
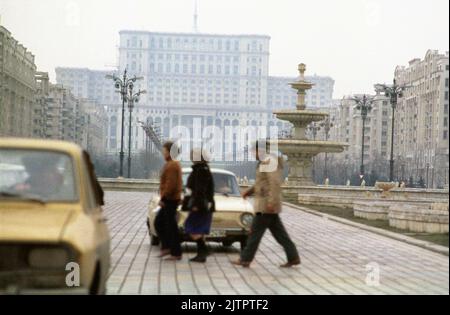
x=198, y=259
x=202, y=252
x=206, y=250
x=293, y=263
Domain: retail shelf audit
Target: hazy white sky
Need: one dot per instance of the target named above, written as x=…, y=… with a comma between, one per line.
x=357, y=42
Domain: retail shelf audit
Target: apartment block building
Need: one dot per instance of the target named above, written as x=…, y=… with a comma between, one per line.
x=422, y=119
x=17, y=87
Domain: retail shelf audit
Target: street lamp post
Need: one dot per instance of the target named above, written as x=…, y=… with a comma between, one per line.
x=132, y=99
x=394, y=92
x=363, y=104
x=122, y=85
x=314, y=128
x=327, y=125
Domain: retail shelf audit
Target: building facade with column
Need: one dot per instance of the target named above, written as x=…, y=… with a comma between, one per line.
x=217, y=80
x=198, y=69
x=422, y=119
x=17, y=87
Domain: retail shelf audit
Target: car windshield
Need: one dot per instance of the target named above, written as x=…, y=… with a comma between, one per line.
x=224, y=184
x=39, y=175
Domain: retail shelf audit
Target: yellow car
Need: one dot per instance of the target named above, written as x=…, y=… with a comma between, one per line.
x=231, y=221
x=53, y=236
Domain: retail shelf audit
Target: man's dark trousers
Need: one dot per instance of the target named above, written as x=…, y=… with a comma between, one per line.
x=167, y=227
x=261, y=223
x=161, y=229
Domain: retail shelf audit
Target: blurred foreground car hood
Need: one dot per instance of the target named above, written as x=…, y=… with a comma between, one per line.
x=32, y=223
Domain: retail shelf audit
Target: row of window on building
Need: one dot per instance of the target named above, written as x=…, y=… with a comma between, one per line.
x=194, y=58
x=192, y=83
x=193, y=43
x=194, y=69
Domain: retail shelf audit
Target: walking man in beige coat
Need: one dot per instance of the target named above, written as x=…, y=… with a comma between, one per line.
x=267, y=192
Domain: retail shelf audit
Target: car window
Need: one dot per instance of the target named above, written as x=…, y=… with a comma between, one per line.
x=96, y=190
x=45, y=175
x=223, y=183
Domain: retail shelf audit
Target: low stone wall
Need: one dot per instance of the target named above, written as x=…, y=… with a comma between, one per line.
x=372, y=192
x=417, y=210
x=345, y=197
x=327, y=200
x=333, y=195
x=371, y=210
x=379, y=210
x=417, y=218
x=115, y=184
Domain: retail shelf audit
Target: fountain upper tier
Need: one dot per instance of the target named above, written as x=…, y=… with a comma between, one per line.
x=301, y=117
x=301, y=86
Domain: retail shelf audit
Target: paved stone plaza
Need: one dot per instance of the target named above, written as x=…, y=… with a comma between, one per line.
x=336, y=259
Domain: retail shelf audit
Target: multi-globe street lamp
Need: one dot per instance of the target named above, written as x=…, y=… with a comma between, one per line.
x=364, y=105
x=394, y=92
x=122, y=85
x=132, y=98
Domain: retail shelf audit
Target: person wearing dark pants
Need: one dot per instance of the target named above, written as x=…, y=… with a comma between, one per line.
x=167, y=229
x=172, y=232
x=261, y=223
x=267, y=205
x=199, y=201
x=170, y=194
x=161, y=231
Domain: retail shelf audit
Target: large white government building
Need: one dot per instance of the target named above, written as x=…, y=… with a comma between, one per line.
x=220, y=80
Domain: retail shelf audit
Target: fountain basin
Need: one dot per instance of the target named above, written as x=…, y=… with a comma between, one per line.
x=300, y=154
x=300, y=117
x=294, y=146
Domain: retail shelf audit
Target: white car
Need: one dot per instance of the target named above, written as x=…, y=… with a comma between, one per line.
x=232, y=219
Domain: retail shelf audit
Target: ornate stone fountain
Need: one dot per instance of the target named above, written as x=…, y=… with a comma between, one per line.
x=298, y=148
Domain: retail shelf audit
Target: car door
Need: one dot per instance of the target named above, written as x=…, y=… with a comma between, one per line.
x=95, y=201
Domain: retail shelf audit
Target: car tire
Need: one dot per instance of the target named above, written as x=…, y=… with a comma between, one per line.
x=154, y=240
x=243, y=243
x=227, y=244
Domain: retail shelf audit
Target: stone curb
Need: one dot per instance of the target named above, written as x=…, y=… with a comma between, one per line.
x=403, y=238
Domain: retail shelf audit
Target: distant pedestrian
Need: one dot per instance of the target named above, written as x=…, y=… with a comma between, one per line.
x=170, y=195
x=199, y=201
x=267, y=204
